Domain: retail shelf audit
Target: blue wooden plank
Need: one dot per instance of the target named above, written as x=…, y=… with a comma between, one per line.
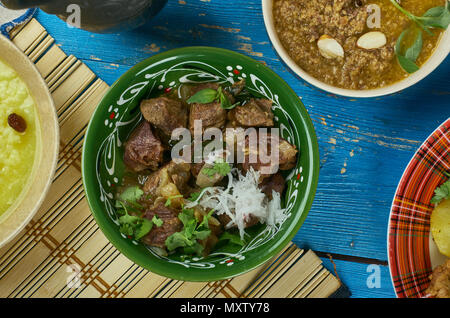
x=364, y=144
x=363, y=280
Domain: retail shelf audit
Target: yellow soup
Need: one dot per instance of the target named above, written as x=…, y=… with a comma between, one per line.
x=17, y=149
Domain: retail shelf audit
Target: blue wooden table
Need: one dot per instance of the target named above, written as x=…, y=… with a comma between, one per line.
x=364, y=144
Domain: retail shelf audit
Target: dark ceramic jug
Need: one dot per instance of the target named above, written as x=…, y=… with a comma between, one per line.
x=96, y=15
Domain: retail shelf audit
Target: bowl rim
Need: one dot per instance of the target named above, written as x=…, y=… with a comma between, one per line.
x=399, y=292
x=257, y=261
x=46, y=160
x=439, y=55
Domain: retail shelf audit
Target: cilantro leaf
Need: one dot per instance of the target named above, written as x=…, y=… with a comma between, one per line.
x=220, y=167
x=192, y=231
x=441, y=193
x=157, y=221
x=169, y=200
x=131, y=225
x=144, y=229
x=176, y=240
x=131, y=194
x=194, y=196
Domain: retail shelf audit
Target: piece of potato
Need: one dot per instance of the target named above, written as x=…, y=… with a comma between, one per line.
x=440, y=227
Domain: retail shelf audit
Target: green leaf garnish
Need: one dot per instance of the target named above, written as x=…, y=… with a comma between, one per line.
x=133, y=226
x=441, y=193
x=220, y=167
x=191, y=232
x=205, y=96
x=194, y=196
x=157, y=221
x=209, y=95
x=131, y=194
x=437, y=17
x=169, y=200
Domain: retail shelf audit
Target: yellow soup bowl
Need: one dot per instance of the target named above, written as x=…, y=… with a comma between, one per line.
x=27, y=158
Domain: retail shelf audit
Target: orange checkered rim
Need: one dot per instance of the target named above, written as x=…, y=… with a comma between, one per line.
x=409, y=224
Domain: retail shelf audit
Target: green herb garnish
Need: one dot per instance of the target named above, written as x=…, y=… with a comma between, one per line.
x=220, y=167
x=437, y=17
x=442, y=192
x=191, y=232
x=209, y=95
x=407, y=58
x=194, y=196
x=157, y=221
x=169, y=200
x=131, y=225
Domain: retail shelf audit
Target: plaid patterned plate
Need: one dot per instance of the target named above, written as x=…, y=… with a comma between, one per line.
x=409, y=224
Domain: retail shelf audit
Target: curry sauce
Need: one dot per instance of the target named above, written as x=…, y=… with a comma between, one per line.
x=301, y=23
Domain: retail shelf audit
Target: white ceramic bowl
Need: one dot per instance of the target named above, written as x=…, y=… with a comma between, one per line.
x=22, y=211
x=433, y=62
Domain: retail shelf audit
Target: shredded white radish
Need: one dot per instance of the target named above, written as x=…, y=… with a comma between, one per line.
x=241, y=199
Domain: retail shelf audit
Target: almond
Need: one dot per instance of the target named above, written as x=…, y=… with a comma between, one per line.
x=372, y=40
x=329, y=47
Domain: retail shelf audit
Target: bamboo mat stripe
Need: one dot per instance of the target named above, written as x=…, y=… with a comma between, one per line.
x=63, y=238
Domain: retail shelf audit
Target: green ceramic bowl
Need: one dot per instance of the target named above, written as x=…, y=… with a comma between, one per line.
x=117, y=115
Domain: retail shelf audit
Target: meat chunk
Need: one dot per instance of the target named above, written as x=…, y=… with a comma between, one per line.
x=143, y=150
x=171, y=224
x=288, y=155
x=440, y=281
x=165, y=115
x=274, y=183
x=163, y=181
x=211, y=114
x=255, y=113
x=261, y=157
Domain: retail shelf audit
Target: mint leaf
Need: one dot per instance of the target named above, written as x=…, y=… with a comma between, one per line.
x=408, y=58
x=437, y=17
x=407, y=65
x=413, y=52
x=209, y=95
x=205, y=96
x=224, y=100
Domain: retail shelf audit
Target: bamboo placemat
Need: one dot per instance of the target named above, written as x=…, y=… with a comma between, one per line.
x=63, y=242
